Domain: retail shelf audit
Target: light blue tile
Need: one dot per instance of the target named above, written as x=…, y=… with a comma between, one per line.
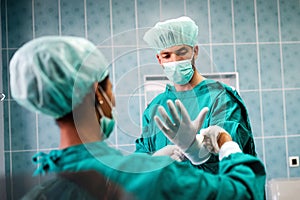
x=148, y=56
x=124, y=138
x=6, y=117
x=146, y=71
x=204, y=62
x=246, y=61
x=294, y=150
x=147, y=17
x=3, y=23
x=221, y=21
x=244, y=20
x=46, y=17
x=5, y=74
x=72, y=18
x=273, y=113
x=292, y=99
x=98, y=21
x=270, y=67
x=8, y=172
x=290, y=20
x=223, y=58
x=259, y=148
x=22, y=170
x=126, y=71
x=275, y=152
x=267, y=20
x=123, y=16
x=48, y=131
x=171, y=9
x=198, y=11
x=148, y=13
x=128, y=120
x=23, y=133
x=251, y=100
x=291, y=60
x=19, y=19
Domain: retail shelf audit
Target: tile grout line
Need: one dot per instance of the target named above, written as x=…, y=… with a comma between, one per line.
x=33, y=21
x=259, y=81
x=138, y=60
x=233, y=36
x=112, y=55
x=85, y=20
x=36, y=115
x=9, y=106
x=202, y=44
x=283, y=91
x=59, y=17
x=210, y=35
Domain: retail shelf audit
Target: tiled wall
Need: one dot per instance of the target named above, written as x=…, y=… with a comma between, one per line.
x=259, y=39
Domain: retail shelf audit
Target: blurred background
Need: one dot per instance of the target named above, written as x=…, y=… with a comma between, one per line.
x=256, y=42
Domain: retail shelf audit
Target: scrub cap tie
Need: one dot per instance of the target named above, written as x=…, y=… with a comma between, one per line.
x=52, y=74
x=173, y=32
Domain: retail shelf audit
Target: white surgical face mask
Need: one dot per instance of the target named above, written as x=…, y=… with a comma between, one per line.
x=179, y=72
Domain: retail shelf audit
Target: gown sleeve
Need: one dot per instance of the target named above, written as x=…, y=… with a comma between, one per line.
x=229, y=112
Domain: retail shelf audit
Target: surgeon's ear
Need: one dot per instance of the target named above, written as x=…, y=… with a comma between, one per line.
x=158, y=58
x=196, y=51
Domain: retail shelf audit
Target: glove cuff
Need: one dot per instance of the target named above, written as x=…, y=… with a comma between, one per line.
x=228, y=148
x=197, y=152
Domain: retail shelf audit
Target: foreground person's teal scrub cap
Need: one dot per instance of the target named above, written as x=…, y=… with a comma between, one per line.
x=52, y=74
x=173, y=32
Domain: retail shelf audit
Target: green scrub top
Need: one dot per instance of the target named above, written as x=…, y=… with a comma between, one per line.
x=226, y=109
x=241, y=176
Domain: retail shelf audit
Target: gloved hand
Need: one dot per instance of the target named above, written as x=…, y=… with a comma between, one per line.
x=183, y=132
x=217, y=140
x=171, y=150
x=211, y=138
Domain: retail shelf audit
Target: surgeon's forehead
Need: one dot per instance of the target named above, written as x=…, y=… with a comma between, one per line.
x=176, y=48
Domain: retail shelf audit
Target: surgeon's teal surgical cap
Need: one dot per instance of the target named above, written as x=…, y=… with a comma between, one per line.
x=172, y=32
x=52, y=74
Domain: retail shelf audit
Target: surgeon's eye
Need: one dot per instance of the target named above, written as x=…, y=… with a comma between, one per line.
x=182, y=51
x=165, y=55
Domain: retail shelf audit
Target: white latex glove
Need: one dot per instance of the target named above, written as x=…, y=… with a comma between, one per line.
x=211, y=136
x=183, y=132
x=171, y=150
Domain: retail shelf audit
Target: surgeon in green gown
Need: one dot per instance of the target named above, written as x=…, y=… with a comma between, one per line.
x=67, y=78
x=175, y=42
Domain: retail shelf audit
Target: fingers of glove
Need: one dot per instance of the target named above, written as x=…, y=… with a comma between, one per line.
x=174, y=112
x=165, y=116
x=200, y=118
x=168, y=133
x=182, y=110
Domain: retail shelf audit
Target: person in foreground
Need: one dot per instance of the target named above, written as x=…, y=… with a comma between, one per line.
x=66, y=78
x=176, y=44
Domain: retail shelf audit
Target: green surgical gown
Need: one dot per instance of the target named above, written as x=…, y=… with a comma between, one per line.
x=226, y=109
x=241, y=176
